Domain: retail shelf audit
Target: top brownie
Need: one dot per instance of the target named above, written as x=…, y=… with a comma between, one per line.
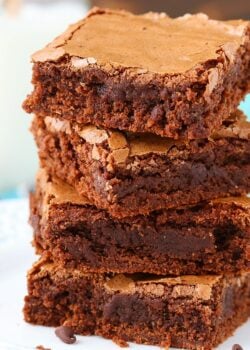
x=149, y=73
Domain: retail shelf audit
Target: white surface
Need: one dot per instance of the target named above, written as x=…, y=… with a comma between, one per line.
x=16, y=256
x=21, y=36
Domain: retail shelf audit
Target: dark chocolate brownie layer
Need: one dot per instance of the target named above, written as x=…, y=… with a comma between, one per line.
x=149, y=73
x=130, y=174
x=186, y=312
x=206, y=238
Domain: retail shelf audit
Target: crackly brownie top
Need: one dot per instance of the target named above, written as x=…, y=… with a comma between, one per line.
x=123, y=145
x=57, y=192
x=151, y=42
x=195, y=287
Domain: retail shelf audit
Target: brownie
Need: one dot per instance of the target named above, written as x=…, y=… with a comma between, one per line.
x=129, y=174
x=149, y=73
x=211, y=237
x=191, y=312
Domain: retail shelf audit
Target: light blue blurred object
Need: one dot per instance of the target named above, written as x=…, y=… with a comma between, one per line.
x=20, y=191
x=245, y=106
x=11, y=194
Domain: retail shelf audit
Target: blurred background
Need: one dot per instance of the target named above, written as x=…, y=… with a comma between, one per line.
x=28, y=25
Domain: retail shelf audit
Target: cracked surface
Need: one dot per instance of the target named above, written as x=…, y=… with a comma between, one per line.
x=207, y=238
x=187, y=312
x=128, y=174
x=91, y=78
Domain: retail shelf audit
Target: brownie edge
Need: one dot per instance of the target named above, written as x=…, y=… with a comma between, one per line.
x=186, y=312
x=187, y=94
x=129, y=174
x=206, y=238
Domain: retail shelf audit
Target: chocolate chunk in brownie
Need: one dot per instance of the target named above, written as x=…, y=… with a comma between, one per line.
x=129, y=174
x=191, y=312
x=148, y=73
x=211, y=237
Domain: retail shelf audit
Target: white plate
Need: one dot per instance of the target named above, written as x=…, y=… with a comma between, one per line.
x=16, y=257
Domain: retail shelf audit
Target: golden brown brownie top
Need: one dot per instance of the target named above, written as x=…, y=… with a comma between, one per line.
x=148, y=43
x=195, y=287
x=243, y=202
x=237, y=126
x=123, y=145
x=57, y=192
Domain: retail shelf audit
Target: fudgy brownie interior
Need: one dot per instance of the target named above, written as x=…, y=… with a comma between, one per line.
x=210, y=237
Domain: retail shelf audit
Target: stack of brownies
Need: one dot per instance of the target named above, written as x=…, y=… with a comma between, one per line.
x=140, y=212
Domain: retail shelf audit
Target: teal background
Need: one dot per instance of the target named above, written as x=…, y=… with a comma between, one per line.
x=245, y=106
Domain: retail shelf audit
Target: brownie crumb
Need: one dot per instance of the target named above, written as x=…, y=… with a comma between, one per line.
x=41, y=347
x=166, y=343
x=120, y=342
x=66, y=334
x=237, y=347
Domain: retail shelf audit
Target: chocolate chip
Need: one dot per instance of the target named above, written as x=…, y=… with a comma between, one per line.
x=66, y=334
x=237, y=347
